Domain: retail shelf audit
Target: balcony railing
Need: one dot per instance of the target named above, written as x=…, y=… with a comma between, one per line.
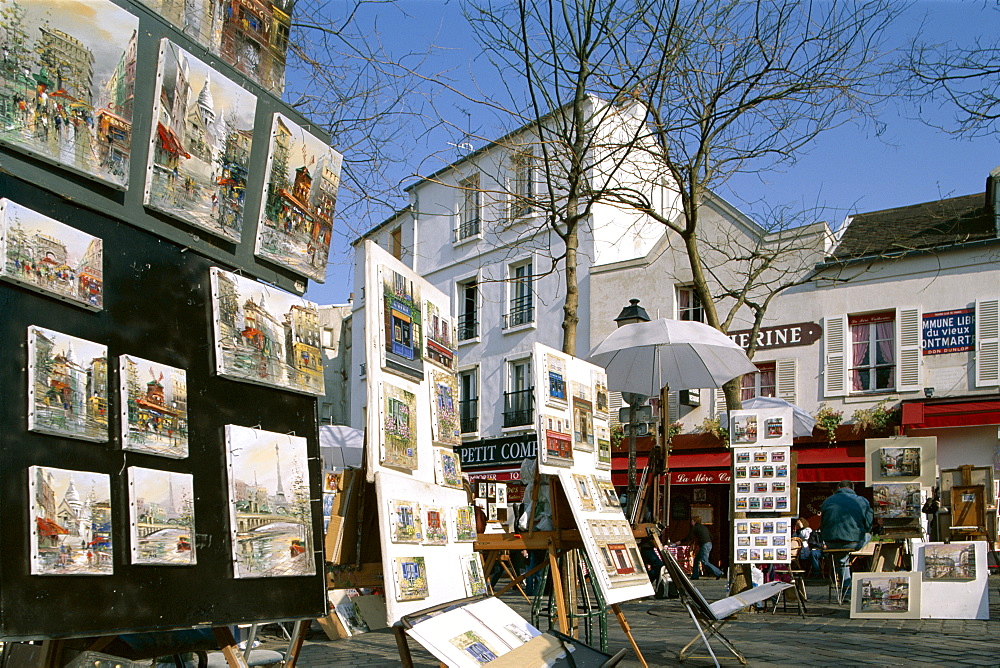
x=467, y=228
x=519, y=408
x=468, y=411
x=468, y=326
x=522, y=311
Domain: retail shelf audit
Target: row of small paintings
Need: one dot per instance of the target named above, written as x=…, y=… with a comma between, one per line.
x=417, y=523
x=411, y=577
x=201, y=137
x=763, y=541
x=270, y=513
x=563, y=437
x=762, y=427
x=398, y=438
x=593, y=397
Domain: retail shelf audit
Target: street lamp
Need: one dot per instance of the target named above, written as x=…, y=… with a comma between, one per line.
x=631, y=314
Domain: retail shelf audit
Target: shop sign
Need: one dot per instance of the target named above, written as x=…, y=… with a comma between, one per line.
x=497, y=451
x=782, y=336
x=949, y=331
x=700, y=477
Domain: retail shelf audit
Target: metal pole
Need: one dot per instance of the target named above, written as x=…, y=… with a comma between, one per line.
x=631, y=459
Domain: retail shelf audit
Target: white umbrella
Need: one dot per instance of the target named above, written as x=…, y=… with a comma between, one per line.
x=802, y=422
x=646, y=356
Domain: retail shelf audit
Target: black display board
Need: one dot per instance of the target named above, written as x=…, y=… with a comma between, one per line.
x=157, y=305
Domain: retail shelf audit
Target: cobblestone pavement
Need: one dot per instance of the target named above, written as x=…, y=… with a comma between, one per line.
x=826, y=636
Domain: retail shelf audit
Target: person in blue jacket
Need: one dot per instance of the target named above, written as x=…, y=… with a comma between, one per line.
x=845, y=523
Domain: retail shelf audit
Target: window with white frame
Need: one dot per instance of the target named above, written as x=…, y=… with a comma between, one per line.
x=522, y=301
x=519, y=403
x=760, y=384
x=468, y=309
x=689, y=305
x=468, y=399
x=469, y=208
x=523, y=184
x=873, y=345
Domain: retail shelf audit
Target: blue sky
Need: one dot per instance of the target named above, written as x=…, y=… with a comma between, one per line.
x=847, y=170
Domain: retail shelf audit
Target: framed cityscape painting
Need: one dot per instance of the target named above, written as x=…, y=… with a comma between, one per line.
x=296, y=224
x=67, y=385
x=49, y=257
x=200, y=145
x=154, y=407
x=270, y=511
x=161, y=517
x=446, y=428
x=69, y=76
x=403, y=325
x=398, y=436
x=886, y=595
x=70, y=522
x=265, y=335
x=896, y=500
x=195, y=18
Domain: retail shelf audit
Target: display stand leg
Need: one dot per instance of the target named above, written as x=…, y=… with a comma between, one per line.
x=52, y=653
x=504, y=561
x=230, y=650
x=296, y=641
x=557, y=590
x=628, y=633
x=402, y=646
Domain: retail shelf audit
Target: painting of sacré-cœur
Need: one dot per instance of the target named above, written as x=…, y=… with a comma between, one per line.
x=71, y=522
x=200, y=145
x=161, y=508
x=50, y=257
x=296, y=223
x=67, y=385
x=68, y=80
x=265, y=335
x=154, y=407
x=269, y=503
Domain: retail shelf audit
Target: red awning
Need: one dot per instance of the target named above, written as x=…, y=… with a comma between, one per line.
x=47, y=527
x=972, y=413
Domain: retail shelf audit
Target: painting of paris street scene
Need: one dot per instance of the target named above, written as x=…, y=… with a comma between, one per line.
x=67, y=385
x=154, y=407
x=270, y=514
x=303, y=175
x=71, y=526
x=49, y=257
x=200, y=145
x=955, y=561
x=883, y=594
x=896, y=500
x=899, y=462
x=66, y=83
x=265, y=335
x=161, y=505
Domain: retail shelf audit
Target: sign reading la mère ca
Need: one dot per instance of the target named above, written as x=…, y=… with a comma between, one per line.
x=782, y=336
x=497, y=451
x=949, y=331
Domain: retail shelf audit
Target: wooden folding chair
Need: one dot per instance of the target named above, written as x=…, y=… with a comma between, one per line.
x=709, y=618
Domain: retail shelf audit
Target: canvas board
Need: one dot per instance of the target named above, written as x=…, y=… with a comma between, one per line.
x=418, y=574
x=447, y=468
x=71, y=522
x=955, y=580
x=264, y=335
x=897, y=501
x=300, y=195
x=761, y=480
x=195, y=18
x=67, y=385
x=401, y=321
x=48, y=257
x=342, y=603
x=472, y=574
x=161, y=517
x=153, y=401
x=200, y=145
x=440, y=341
x=886, y=595
x=769, y=427
x=270, y=512
x=762, y=541
x=896, y=460
x=399, y=425
x=469, y=636
x=67, y=75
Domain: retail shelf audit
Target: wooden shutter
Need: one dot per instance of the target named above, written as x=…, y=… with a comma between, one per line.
x=785, y=380
x=835, y=352
x=720, y=402
x=909, y=349
x=614, y=405
x=987, y=342
x=674, y=405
